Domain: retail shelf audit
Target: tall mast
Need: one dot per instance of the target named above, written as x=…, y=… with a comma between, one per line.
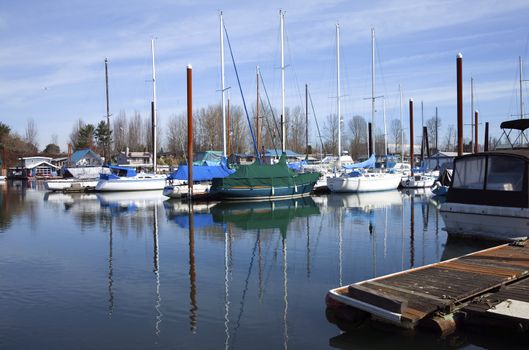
x=222, y=88
x=108, y=110
x=257, y=126
x=521, y=80
x=385, y=128
x=307, y=121
x=373, y=86
x=401, y=128
x=154, y=108
x=338, y=107
x=283, y=128
x=472, y=110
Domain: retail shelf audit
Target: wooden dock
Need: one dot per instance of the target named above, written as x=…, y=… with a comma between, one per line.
x=436, y=295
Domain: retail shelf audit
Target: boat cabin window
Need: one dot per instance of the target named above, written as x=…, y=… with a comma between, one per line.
x=470, y=173
x=505, y=173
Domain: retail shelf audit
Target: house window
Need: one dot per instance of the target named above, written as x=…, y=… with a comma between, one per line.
x=505, y=173
x=469, y=173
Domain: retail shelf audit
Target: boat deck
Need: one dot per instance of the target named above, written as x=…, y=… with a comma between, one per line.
x=409, y=297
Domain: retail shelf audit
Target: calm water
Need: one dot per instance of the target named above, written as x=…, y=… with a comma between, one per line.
x=135, y=271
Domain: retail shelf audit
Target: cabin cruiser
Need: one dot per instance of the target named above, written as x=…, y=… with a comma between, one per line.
x=489, y=194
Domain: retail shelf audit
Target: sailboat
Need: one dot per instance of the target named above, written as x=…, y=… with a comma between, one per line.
x=262, y=181
x=127, y=179
x=358, y=180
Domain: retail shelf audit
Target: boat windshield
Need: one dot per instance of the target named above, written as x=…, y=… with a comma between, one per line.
x=502, y=173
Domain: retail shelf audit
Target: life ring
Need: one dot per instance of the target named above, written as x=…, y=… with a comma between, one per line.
x=408, y=182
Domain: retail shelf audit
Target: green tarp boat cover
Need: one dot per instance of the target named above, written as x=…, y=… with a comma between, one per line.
x=255, y=174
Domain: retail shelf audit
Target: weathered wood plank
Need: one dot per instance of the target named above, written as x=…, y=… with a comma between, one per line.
x=377, y=298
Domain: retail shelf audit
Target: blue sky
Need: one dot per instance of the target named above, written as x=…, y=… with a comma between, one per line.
x=52, y=56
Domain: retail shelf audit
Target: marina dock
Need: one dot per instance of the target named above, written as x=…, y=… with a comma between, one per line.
x=489, y=287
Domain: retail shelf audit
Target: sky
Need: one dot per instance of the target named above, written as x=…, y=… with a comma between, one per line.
x=53, y=52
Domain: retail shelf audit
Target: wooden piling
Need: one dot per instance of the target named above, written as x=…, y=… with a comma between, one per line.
x=459, y=64
x=190, y=130
x=486, y=141
x=411, y=136
x=476, y=143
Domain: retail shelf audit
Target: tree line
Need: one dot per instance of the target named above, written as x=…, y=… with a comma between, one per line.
x=133, y=132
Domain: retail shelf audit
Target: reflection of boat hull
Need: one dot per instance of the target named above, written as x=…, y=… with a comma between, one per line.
x=264, y=214
x=366, y=201
x=485, y=221
x=364, y=183
x=137, y=198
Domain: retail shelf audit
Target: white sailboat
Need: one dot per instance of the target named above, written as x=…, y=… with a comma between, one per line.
x=358, y=180
x=126, y=179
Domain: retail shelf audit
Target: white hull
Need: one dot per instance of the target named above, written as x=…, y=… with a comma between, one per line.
x=417, y=181
x=135, y=183
x=370, y=182
x=181, y=191
x=484, y=221
x=69, y=184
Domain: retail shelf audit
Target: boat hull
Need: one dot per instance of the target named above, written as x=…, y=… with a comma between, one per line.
x=264, y=192
x=70, y=184
x=131, y=184
x=182, y=191
x=485, y=222
x=373, y=183
x=413, y=182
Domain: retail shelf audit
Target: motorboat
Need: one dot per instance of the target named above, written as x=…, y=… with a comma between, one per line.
x=417, y=181
x=489, y=193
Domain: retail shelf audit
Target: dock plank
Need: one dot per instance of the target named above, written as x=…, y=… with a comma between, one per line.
x=449, y=285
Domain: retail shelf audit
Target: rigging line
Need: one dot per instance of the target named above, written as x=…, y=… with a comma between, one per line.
x=242, y=96
x=269, y=129
x=246, y=282
x=271, y=109
x=316, y=120
x=384, y=88
x=296, y=80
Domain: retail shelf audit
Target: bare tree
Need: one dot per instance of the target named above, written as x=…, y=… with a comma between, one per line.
x=240, y=134
x=331, y=132
x=295, y=129
x=135, y=140
x=358, y=131
x=396, y=131
x=176, y=135
x=450, y=138
x=432, y=125
x=119, y=131
x=31, y=134
x=75, y=133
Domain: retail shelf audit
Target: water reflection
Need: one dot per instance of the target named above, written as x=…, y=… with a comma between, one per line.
x=264, y=215
x=153, y=272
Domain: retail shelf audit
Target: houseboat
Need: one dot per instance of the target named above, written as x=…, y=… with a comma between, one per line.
x=489, y=193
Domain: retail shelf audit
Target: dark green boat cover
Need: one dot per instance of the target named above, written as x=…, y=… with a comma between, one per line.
x=255, y=174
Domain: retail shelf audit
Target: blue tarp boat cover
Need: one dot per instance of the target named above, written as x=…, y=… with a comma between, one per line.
x=201, y=172
x=370, y=163
x=297, y=166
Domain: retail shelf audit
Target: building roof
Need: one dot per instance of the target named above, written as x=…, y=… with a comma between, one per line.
x=80, y=154
x=277, y=152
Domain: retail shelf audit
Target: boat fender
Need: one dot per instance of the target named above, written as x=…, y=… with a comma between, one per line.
x=408, y=182
x=272, y=190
